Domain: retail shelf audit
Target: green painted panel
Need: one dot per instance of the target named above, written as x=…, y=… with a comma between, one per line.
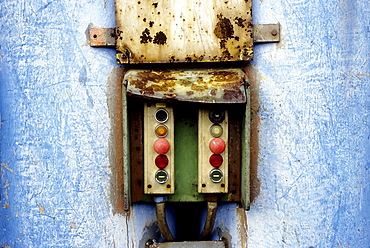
x=186, y=154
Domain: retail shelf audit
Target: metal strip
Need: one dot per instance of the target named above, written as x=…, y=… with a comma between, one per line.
x=263, y=33
x=102, y=37
x=162, y=222
x=210, y=220
x=245, y=173
x=189, y=244
x=183, y=31
x=126, y=152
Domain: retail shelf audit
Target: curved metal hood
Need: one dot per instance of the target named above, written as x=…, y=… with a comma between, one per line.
x=201, y=85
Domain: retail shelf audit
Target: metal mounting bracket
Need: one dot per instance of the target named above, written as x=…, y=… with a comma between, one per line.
x=266, y=33
x=102, y=37
x=262, y=33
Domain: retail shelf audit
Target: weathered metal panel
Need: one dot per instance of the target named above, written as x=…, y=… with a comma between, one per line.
x=126, y=154
x=245, y=154
x=263, y=33
x=183, y=31
x=202, y=85
x=189, y=244
x=186, y=142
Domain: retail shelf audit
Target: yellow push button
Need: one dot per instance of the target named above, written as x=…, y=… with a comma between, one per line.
x=161, y=131
x=216, y=130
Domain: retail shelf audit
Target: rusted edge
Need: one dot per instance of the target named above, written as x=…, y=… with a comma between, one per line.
x=207, y=86
x=102, y=37
x=235, y=157
x=264, y=33
x=210, y=220
x=162, y=222
x=245, y=165
x=126, y=152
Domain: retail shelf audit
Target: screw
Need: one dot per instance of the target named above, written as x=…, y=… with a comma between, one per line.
x=149, y=243
x=274, y=32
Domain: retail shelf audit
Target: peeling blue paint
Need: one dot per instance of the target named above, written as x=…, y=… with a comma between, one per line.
x=314, y=148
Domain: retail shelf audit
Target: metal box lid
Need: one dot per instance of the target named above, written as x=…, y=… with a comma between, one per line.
x=191, y=85
x=189, y=244
x=171, y=31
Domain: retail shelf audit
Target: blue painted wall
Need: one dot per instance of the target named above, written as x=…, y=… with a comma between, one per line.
x=313, y=154
x=314, y=147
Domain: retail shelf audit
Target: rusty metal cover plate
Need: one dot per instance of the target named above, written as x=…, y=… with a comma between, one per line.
x=202, y=85
x=169, y=31
x=189, y=244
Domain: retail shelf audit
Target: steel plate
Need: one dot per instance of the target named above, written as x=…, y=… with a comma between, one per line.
x=170, y=31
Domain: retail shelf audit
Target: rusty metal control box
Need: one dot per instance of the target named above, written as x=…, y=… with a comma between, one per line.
x=170, y=31
x=186, y=103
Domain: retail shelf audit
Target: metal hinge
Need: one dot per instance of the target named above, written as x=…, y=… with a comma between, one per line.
x=102, y=37
x=262, y=33
x=265, y=33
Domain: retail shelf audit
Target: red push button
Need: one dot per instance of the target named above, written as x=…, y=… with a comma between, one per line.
x=217, y=145
x=216, y=160
x=161, y=161
x=161, y=146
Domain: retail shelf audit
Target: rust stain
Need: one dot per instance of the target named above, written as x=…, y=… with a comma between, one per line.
x=145, y=36
x=224, y=29
x=162, y=81
x=231, y=91
x=204, y=85
x=223, y=44
x=226, y=55
x=229, y=29
x=225, y=76
x=240, y=21
x=41, y=209
x=169, y=95
x=102, y=36
x=114, y=102
x=6, y=166
x=160, y=38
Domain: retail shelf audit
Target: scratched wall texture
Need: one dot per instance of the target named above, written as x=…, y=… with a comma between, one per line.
x=314, y=150
x=314, y=130
x=55, y=126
